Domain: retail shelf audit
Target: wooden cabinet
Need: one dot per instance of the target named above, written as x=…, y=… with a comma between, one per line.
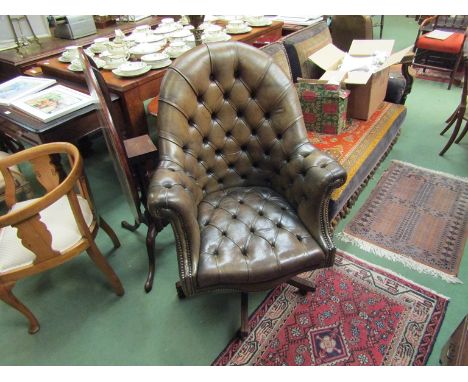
x=455, y=351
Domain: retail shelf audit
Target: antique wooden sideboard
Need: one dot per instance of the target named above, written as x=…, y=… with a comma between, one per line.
x=134, y=91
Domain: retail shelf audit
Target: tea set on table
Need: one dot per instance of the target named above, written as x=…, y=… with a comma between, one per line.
x=145, y=49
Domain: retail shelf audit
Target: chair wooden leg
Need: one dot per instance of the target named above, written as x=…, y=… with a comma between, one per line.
x=150, y=238
x=110, y=232
x=8, y=297
x=105, y=268
x=449, y=124
x=463, y=133
x=131, y=227
x=452, y=137
x=452, y=116
x=303, y=285
x=457, y=64
x=244, y=329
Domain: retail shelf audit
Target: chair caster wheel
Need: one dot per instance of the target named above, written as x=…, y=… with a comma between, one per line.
x=180, y=291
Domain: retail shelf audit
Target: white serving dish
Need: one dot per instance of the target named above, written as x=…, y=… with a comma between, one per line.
x=132, y=68
x=119, y=73
x=245, y=29
x=145, y=48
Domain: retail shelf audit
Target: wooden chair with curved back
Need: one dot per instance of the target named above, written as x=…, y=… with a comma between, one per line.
x=458, y=116
x=130, y=158
x=42, y=233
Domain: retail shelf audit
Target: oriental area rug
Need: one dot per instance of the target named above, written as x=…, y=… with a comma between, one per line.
x=416, y=216
x=437, y=75
x=360, y=314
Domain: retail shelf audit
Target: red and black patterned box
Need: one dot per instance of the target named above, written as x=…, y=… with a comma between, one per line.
x=323, y=106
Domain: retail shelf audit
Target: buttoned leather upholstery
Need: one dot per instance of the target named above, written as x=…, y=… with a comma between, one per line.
x=245, y=191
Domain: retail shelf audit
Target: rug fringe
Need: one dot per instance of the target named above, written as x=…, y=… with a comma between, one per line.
x=393, y=273
x=456, y=177
x=382, y=252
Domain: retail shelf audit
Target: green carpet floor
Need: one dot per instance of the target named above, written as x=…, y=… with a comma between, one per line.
x=84, y=323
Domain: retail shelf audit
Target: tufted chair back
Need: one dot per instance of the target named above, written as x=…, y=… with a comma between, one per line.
x=235, y=120
x=245, y=191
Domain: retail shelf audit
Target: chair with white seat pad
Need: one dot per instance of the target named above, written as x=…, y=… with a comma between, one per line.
x=42, y=233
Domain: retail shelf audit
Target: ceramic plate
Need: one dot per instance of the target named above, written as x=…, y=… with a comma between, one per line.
x=63, y=59
x=264, y=23
x=161, y=64
x=240, y=31
x=139, y=73
x=74, y=68
x=224, y=38
x=165, y=29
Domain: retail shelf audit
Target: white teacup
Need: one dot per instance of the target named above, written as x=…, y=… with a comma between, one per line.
x=114, y=60
x=70, y=52
x=167, y=21
x=214, y=32
x=117, y=48
x=256, y=19
x=235, y=25
x=181, y=35
x=177, y=47
x=100, y=43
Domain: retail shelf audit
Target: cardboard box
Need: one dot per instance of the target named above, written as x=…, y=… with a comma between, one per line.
x=323, y=106
x=368, y=87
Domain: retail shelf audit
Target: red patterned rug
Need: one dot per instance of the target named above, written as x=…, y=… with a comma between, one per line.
x=360, y=314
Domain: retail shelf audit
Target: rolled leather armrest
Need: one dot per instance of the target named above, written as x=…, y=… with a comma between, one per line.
x=174, y=196
x=315, y=176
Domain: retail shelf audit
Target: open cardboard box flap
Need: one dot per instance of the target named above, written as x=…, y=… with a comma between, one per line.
x=330, y=57
x=369, y=47
x=355, y=77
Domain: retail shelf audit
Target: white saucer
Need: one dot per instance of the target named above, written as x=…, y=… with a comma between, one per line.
x=264, y=23
x=239, y=31
x=165, y=29
x=161, y=64
x=63, y=59
x=226, y=37
x=74, y=69
x=117, y=72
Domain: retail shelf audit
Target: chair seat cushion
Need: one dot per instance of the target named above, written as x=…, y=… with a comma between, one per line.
x=251, y=235
x=60, y=222
x=452, y=44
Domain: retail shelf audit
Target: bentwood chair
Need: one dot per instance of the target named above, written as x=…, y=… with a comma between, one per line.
x=133, y=158
x=43, y=233
x=22, y=184
x=244, y=190
x=458, y=116
x=443, y=55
